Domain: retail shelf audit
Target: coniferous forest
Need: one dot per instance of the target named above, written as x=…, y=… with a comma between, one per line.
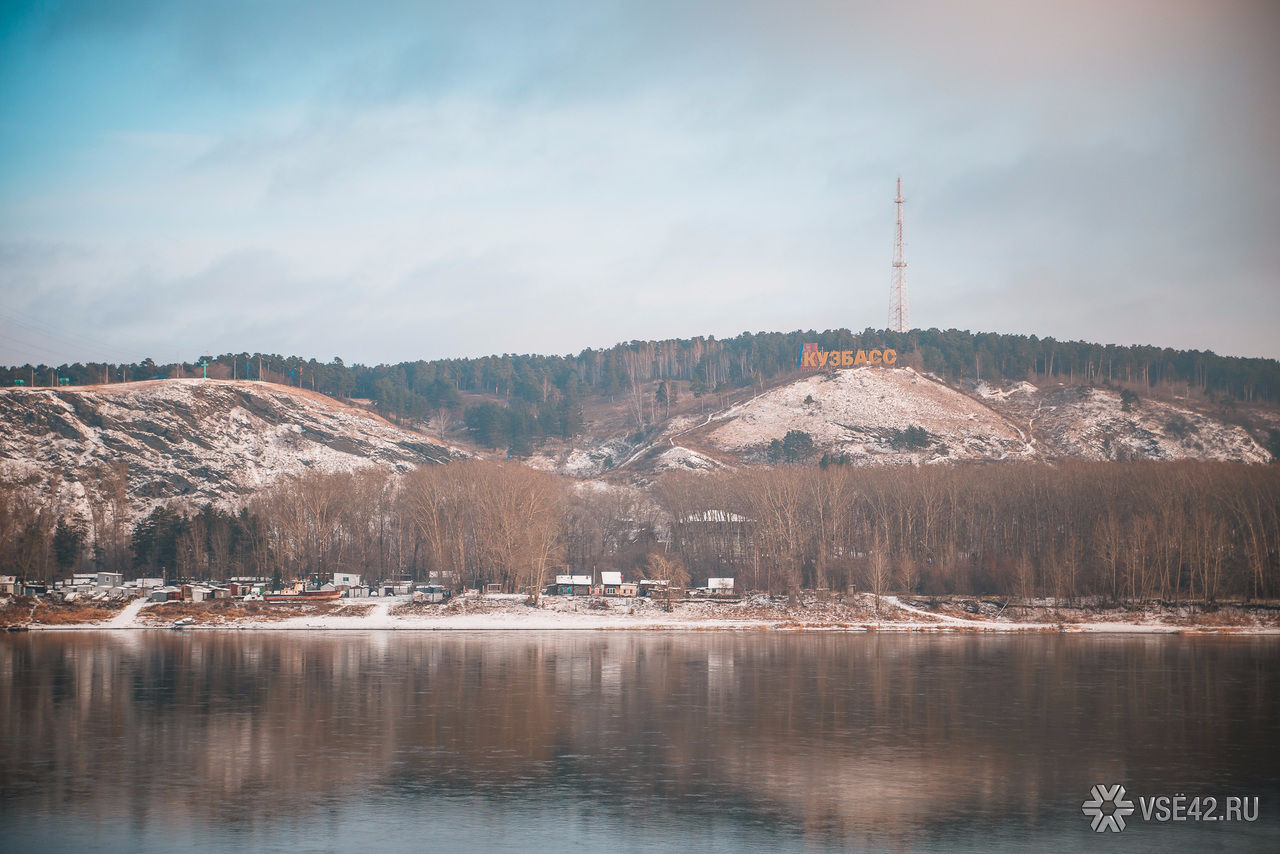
x=535, y=397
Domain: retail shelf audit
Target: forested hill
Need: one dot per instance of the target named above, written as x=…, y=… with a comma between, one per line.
x=545, y=393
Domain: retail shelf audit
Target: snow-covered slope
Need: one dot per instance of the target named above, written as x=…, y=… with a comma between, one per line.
x=864, y=413
x=204, y=440
x=1094, y=424
x=896, y=415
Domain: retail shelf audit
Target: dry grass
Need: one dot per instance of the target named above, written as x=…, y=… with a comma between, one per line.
x=230, y=611
x=18, y=611
x=1188, y=614
x=435, y=609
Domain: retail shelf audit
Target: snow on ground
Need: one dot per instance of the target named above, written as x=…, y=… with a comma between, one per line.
x=859, y=612
x=584, y=462
x=127, y=617
x=988, y=392
x=204, y=440
x=683, y=459
x=1092, y=423
x=856, y=411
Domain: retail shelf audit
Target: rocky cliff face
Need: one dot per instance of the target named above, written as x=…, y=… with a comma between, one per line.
x=202, y=440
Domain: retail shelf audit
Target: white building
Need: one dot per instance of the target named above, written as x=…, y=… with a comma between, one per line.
x=720, y=586
x=346, y=579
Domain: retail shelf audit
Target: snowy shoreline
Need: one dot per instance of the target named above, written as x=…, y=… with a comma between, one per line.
x=511, y=613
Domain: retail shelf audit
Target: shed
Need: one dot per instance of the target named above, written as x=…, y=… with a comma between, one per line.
x=195, y=593
x=431, y=593
x=653, y=586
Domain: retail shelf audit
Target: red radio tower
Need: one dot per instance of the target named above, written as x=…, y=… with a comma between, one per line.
x=899, y=320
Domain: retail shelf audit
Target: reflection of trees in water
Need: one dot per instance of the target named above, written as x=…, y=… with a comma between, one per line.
x=882, y=735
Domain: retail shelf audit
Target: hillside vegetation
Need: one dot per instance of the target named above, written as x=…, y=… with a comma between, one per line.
x=515, y=400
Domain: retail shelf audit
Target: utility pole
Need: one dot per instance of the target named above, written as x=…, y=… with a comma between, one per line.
x=899, y=321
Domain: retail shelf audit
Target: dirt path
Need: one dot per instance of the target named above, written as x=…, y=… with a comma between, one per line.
x=944, y=618
x=125, y=618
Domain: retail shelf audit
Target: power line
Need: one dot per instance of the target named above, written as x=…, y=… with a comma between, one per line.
x=48, y=337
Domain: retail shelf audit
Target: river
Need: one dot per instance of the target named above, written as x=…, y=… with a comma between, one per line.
x=630, y=741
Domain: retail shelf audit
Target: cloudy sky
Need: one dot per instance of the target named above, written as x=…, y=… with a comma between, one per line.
x=388, y=180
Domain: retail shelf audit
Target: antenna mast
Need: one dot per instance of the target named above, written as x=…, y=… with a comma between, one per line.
x=899, y=320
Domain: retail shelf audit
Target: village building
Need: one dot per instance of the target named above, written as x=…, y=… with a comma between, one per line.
x=721, y=587
x=347, y=579
x=654, y=587
x=571, y=585
x=166, y=594
x=611, y=584
x=107, y=580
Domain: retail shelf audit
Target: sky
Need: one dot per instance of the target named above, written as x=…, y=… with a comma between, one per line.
x=386, y=181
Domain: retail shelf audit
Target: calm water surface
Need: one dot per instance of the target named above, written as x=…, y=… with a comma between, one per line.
x=698, y=742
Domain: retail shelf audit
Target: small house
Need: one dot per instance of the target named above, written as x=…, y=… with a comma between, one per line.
x=573, y=585
x=8, y=585
x=346, y=579
x=107, y=580
x=654, y=587
x=611, y=584
x=720, y=587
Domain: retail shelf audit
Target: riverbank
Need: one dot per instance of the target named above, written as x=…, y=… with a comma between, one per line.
x=853, y=612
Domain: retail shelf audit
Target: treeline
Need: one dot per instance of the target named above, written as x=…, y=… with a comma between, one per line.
x=551, y=389
x=1124, y=531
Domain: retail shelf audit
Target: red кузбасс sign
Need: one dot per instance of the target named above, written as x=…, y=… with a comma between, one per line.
x=812, y=357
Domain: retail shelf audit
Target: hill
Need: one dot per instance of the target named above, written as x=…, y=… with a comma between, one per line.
x=874, y=415
x=198, y=440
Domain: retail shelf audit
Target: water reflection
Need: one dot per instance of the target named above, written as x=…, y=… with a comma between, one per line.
x=702, y=741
